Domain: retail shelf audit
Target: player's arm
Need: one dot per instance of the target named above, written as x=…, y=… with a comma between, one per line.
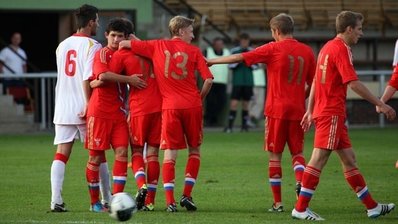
x=133, y=80
x=234, y=58
x=87, y=95
x=306, y=122
x=206, y=88
x=364, y=92
x=392, y=86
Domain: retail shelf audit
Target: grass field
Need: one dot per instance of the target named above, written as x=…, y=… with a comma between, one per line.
x=232, y=185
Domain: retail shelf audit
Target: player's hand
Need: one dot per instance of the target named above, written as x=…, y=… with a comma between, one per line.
x=209, y=62
x=137, y=82
x=83, y=114
x=133, y=37
x=306, y=121
x=124, y=44
x=388, y=111
x=96, y=83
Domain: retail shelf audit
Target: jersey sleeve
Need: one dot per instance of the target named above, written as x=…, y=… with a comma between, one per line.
x=202, y=66
x=260, y=54
x=100, y=64
x=94, y=47
x=395, y=61
x=394, y=78
x=116, y=64
x=143, y=48
x=345, y=66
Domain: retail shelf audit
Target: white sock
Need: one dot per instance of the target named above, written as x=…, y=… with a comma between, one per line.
x=105, y=183
x=57, y=180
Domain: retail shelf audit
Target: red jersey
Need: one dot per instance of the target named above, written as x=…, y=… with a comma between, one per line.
x=394, y=78
x=141, y=101
x=175, y=62
x=290, y=65
x=334, y=71
x=106, y=101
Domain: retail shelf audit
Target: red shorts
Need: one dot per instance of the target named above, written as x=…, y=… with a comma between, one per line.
x=181, y=124
x=278, y=132
x=145, y=128
x=331, y=133
x=104, y=133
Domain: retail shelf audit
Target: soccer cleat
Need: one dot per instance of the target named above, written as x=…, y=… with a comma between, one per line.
x=149, y=207
x=298, y=189
x=381, y=209
x=228, y=130
x=140, y=197
x=58, y=207
x=276, y=209
x=98, y=207
x=188, y=203
x=306, y=215
x=172, y=208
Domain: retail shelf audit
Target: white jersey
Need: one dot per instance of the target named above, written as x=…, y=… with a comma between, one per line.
x=75, y=57
x=395, y=61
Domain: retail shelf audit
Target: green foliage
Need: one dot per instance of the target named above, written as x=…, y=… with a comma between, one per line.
x=232, y=186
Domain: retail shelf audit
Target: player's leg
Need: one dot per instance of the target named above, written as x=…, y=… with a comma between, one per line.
x=247, y=94
x=153, y=171
x=64, y=138
x=295, y=142
x=138, y=168
x=233, y=106
x=275, y=180
x=105, y=183
x=355, y=179
x=168, y=170
x=119, y=141
x=192, y=123
x=92, y=176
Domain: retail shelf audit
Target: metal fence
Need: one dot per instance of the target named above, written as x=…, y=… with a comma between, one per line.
x=47, y=81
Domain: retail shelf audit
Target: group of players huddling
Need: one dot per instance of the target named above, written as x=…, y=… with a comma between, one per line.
x=164, y=109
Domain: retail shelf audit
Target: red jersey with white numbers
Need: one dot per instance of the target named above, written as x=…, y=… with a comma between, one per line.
x=290, y=66
x=106, y=101
x=175, y=62
x=141, y=101
x=333, y=72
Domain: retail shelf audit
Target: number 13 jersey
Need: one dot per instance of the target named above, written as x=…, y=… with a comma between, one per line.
x=74, y=65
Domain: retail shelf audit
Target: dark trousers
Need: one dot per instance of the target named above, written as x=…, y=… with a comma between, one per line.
x=215, y=103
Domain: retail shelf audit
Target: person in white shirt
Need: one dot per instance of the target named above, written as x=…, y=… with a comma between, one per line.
x=13, y=61
x=74, y=58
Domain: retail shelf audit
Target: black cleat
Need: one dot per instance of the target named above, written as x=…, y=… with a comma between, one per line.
x=59, y=208
x=188, y=203
x=276, y=209
x=140, y=197
x=172, y=208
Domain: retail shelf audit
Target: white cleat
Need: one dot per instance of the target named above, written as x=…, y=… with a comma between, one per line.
x=306, y=215
x=381, y=209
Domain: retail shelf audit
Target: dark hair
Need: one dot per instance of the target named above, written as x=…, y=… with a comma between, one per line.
x=217, y=39
x=282, y=22
x=244, y=36
x=84, y=14
x=120, y=25
x=347, y=19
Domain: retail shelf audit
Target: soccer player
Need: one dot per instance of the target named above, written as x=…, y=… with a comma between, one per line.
x=290, y=69
x=334, y=72
x=392, y=86
x=175, y=62
x=72, y=92
x=144, y=124
x=106, y=118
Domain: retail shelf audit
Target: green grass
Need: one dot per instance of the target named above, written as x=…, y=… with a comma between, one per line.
x=232, y=186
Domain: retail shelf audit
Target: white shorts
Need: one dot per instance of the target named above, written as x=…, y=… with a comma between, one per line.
x=68, y=133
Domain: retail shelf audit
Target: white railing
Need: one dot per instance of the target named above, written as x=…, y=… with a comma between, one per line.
x=51, y=75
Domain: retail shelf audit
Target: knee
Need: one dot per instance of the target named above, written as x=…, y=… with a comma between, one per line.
x=120, y=154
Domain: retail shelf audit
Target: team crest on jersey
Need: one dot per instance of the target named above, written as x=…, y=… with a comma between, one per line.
x=97, y=141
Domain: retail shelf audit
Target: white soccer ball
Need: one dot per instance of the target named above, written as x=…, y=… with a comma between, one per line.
x=122, y=206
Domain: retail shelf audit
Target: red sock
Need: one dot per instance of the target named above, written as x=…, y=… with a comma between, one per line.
x=191, y=173
x=298, y=163
x=275, y=179
x=92, y=176
x=138, y=167
x=168, y=171
x=357, y=183
x=61, y=157
x=308, y=185
x=153, y=171
x=119, y=175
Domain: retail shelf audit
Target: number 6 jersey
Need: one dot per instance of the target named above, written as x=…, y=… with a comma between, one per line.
x=74, y=65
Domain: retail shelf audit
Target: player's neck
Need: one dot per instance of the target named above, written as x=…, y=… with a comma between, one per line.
x=343, y=38
x=84, y=31
x=285, y=37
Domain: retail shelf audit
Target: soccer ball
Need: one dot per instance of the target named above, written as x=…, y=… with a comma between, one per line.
x=122, y=206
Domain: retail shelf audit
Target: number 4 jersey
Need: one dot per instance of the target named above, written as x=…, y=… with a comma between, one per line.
x=74, y=65
x=174, y=63
x=290, y=66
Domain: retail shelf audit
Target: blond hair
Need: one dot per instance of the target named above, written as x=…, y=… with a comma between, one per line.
x=179, y=22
